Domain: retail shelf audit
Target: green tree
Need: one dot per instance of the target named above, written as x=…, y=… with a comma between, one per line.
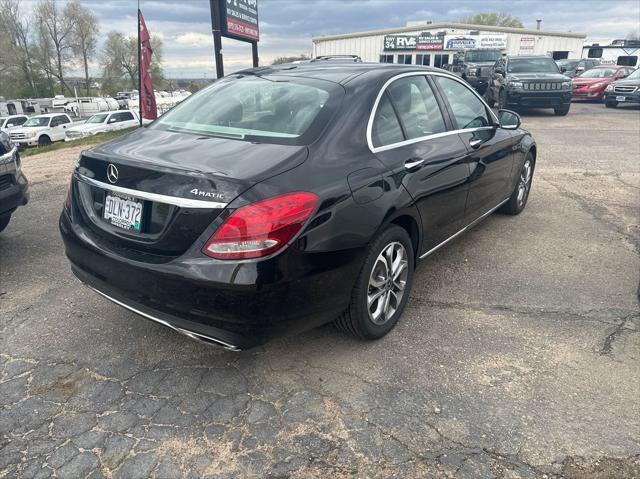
x=84, y=36
x=497, y=19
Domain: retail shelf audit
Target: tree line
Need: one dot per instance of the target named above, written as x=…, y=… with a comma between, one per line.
x=38, y=51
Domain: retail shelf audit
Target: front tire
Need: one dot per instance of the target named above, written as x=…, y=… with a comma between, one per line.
x=562, y=111
x=44, y=140
x=611, y=104
x=520, y=195
x=4, y=222
x=382, y=288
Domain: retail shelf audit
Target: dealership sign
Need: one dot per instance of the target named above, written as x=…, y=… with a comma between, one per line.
x=239, y=19
x=424, y=41
x=490, y=41
x=527, y=44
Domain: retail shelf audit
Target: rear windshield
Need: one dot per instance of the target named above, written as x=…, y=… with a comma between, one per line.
x=598, y=73
x=270, y=108
x=482, y=56
x=532, y=65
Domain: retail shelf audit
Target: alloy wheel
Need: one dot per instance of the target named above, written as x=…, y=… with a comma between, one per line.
x=387, y=283
x=524, y=184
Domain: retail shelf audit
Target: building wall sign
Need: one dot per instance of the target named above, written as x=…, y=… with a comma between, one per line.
x=527, y=44
x=424, y=41
x=488, y=41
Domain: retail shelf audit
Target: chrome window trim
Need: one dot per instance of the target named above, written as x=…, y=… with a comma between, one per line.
x=469, y=226
x=391, y=146
x=145, y=195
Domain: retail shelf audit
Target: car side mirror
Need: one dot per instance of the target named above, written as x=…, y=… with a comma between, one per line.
x=563, y=69
x=509, y=120
x=111, y=120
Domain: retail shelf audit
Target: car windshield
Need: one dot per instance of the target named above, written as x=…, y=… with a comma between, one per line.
x=42, y=121
x=532, y=65
x=97, y=119
x=482, y=56
x=634, y=76
x=568, y=64
x=598, y=73
x=277, y=109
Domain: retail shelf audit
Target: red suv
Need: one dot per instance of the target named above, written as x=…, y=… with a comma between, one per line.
x=592, y=83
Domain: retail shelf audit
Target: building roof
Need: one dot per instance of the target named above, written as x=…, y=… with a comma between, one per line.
x=439, y=26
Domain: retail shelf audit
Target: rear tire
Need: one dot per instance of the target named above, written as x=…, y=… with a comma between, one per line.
x=44, y=140
x=381, y=293
x=611, y=104
x=4, y=221
x=520, y=195
x=562, y=111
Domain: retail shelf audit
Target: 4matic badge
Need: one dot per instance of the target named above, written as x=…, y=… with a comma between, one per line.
x=207, y=194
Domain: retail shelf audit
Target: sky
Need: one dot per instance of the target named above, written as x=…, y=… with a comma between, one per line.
x=287, y=26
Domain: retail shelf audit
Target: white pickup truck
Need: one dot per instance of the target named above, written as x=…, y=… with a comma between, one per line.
x=12, y=121
x=102, y=122
x=41, y=130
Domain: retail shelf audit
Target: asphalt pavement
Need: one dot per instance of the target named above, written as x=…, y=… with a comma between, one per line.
x=518, y=355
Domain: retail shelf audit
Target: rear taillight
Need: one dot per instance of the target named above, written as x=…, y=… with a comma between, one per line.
x=261, y=228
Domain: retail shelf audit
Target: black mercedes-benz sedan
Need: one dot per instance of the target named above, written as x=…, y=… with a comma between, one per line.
x=281, y=198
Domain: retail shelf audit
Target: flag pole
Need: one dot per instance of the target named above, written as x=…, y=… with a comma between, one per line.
x=139, y=71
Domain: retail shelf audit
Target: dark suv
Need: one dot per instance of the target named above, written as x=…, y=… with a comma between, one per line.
x=14, y=188
x=475, y=67
x=529, y=81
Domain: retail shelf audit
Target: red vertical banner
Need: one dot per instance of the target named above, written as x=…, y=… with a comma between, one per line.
x=148, y=108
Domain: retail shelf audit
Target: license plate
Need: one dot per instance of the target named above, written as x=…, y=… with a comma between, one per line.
x=621, y=98
x=123, y=211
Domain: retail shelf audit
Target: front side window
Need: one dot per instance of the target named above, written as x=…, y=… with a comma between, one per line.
x=468, y=110
x=276, y=109
x=42, y=121
x=97, y=119
x=61, y=120
x=417, y=107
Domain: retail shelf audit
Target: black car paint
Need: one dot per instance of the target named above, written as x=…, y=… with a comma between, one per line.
x=629, y=96
x=308, y=283
x=500, y=80
x=14, y=186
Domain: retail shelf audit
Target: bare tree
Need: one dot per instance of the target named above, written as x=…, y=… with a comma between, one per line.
x=56, y=25
x=84, y=35
x=18, y=53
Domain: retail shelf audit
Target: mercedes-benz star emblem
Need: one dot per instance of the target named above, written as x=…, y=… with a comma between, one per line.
x=112, y=173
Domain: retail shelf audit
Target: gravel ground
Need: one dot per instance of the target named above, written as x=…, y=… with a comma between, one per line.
x=518, y=355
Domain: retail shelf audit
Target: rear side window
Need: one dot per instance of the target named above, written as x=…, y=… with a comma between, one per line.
x=468, y=110
x=417, y=107
x=386, y=127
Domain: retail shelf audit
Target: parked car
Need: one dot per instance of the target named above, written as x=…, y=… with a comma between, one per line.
x=91, y=105
x=529, y=81
x=12, y=121
x=41, y=130
x=103, y=122
x=475, y=67
x=574, y=67
x=591, y=84
x=233, y=220
x=14, y=187
x=623, y=91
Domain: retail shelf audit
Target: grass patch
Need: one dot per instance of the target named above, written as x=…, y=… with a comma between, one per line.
x=89, y=140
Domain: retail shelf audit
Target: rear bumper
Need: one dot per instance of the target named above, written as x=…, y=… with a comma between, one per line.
x=17, y=192
x=233, y=304
x=540, y=99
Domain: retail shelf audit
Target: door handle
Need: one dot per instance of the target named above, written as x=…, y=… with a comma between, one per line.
x=413, y=163
x=475, y=142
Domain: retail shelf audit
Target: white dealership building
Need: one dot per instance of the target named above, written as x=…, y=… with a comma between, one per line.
x=427, y=43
